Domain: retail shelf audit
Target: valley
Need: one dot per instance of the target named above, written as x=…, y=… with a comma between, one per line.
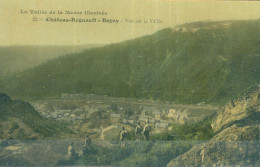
x=183, y=96
x=95, y=113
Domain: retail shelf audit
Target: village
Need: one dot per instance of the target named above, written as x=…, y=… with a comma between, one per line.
x=102, y=111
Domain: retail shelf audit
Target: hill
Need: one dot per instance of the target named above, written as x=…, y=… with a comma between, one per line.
x=14, y=59
x=200, y=62
x=19, y=120
x=236, y=143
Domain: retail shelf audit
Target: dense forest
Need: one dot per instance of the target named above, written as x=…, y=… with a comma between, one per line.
x=210, y=62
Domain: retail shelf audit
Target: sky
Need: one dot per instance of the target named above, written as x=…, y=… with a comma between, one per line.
x=18, y=28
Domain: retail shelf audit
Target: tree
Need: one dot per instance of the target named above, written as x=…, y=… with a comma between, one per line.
x=114, y=107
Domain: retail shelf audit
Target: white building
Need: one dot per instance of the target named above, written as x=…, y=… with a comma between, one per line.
x=161, y=125
x=72, y=117
x=171, y=113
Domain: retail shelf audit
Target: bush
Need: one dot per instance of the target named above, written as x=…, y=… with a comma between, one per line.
x=14, y=126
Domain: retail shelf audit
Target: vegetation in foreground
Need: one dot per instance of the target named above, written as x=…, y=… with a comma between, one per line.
x=200, y=131
x=157, y=152
x=19, y=120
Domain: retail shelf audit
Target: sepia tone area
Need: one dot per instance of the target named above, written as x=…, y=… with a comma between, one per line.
x=18, y=29
x=129, y=83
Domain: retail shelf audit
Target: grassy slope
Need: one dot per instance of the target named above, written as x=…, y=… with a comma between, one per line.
x=156, y=152
x=211, y=65
x=19, y=120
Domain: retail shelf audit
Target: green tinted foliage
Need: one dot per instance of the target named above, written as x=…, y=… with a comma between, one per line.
x=158, y=152
x=133, y=154
x=210, y=65
x=13, y=127
x=199, y=131
x=28, y=115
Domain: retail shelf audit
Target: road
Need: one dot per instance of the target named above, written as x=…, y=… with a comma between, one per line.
x=131, y=102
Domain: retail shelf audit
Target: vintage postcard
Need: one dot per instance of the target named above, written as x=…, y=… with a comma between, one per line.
x=149, y=83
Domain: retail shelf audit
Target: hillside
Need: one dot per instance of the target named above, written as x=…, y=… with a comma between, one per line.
x=19, y=120
x=209, y=64
x=236, y=142
x=14, y=59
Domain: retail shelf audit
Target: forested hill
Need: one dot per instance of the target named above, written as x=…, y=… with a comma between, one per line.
x=14, y=59
x=203, y=61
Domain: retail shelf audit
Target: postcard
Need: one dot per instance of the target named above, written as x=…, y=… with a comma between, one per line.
x=129, y=83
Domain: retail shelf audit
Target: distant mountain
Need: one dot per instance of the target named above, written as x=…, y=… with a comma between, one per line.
x=19, y=120
x=15, y=59
x=236, y=142
x=208, y=62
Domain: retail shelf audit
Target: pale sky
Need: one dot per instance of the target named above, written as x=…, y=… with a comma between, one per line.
x=19, y=29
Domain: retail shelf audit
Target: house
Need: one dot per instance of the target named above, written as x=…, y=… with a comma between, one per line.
x=77, y=96
x=143, y=113
x=124, y=121
x=79, y=110
x=43, y=113
x=161, y=125
x=182, y=120
x=152, y=122
x=80, y=117
x=66, y=114
x=143, y=119
x=171, y=113
x=62, y=111
x=163, y=112
x=157, y=114
x=131, y=121
x=100, y=114
x=72, y=117
x=64, y=95
x=67, y=119
x=40, y=106
x=54, y=115
x=115, y=118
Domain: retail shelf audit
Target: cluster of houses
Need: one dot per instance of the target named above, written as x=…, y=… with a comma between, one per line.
x=61, y=114
x=157, y=118
x=102, y=114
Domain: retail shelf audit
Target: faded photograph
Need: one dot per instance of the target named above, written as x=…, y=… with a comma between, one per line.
x=133, y=83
